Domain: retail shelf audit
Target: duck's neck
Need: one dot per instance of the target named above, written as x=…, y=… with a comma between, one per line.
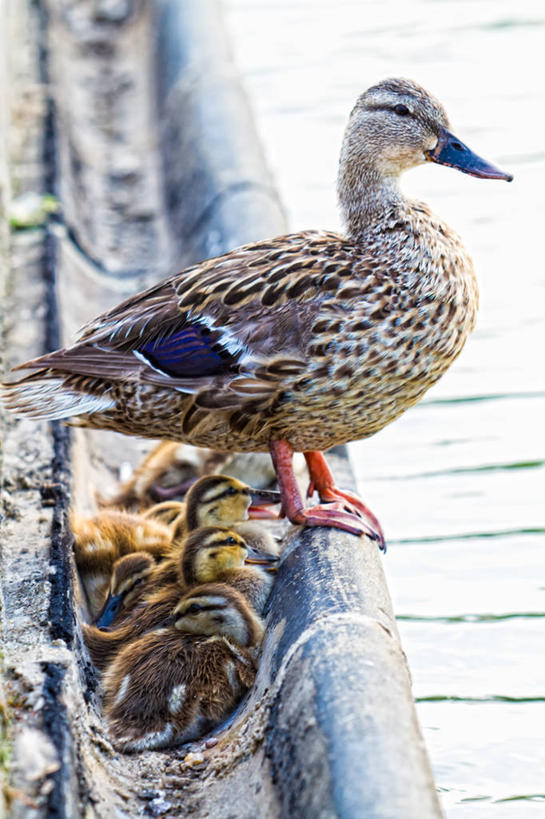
x=366, y=198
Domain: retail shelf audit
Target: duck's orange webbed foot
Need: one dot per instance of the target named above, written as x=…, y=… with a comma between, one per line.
x=336, y=514
x=321, y=481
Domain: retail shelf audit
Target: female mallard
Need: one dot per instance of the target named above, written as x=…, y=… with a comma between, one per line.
x=297, y=343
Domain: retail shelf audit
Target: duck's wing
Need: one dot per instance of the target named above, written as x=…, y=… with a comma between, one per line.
x=239, y=323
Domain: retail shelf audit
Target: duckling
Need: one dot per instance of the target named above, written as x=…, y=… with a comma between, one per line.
x=214, y=500
x=171, y=512
x=101, y=540
x=129, y=572
x=239, y=565
x=176, y=683
x=211, y=554
x=258, y=538
x=169, y=469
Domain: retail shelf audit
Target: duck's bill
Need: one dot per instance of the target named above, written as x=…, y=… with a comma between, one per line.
x=259, y=500
x=109, y=612
x=453, y=153
x=261, y=558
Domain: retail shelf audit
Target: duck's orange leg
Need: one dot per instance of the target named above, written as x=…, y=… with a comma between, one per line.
x=333, y=514
x=321, y=481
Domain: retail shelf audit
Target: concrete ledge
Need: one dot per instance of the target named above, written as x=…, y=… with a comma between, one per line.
x=219, y=193
x=341, y=684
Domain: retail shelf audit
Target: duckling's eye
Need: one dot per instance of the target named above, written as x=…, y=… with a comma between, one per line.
x=402, y=110
x=230, y=540
x=193, y=608
x=138, y=580
x=232, y=491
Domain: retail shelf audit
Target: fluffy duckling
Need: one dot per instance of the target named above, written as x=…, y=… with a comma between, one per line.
x=168, y=470
x=208, y=558
x=128, y=575
x=258, y=538
x=176, y=683
x=215, y=500
x=101, y=540
x=211, y=554
x=171, y=513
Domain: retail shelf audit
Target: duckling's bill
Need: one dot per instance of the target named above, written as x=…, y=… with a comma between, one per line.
x=452, y=152
x=261, y=498
x=110, y=611
x=260, y=558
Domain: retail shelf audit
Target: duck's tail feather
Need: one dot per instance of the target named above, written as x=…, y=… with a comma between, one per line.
x=50, y=398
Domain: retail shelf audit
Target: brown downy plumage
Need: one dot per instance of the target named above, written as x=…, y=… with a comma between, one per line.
x=101, y=540
x=300, y=342
x=178, y=682
x=169, y=466
x=257, y=537
x=129, y=576
x=211, y=554
x=215, y=500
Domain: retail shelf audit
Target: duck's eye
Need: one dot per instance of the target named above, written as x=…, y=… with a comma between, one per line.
x=402, y=110
x=138, y=580
x=232, y=491
x=230, y=540
x=193, y=608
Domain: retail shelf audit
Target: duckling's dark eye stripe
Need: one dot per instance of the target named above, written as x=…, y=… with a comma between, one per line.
x=230, y=541
x=211, y=607
x=225, y=493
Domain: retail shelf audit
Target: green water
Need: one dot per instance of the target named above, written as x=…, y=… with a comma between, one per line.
x=458, y=482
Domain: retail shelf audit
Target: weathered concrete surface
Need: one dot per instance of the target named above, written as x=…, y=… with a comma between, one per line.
x=329, y=729
x=219, y=193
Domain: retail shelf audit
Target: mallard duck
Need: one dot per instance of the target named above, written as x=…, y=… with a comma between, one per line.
x=178, y=682
x=211, y=554
x=101, y=540
x=300, y=342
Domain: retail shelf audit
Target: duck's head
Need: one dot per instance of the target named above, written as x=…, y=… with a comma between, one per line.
x=396, y=125
x=212, y=550
x=129, y=572
x=220, y=499
x=218, y=609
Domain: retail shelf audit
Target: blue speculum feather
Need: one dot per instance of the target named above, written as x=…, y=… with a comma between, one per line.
x=192, y=351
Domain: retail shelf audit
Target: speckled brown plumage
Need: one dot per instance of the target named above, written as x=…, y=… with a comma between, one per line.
x=313, y=338
x=371, y=336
